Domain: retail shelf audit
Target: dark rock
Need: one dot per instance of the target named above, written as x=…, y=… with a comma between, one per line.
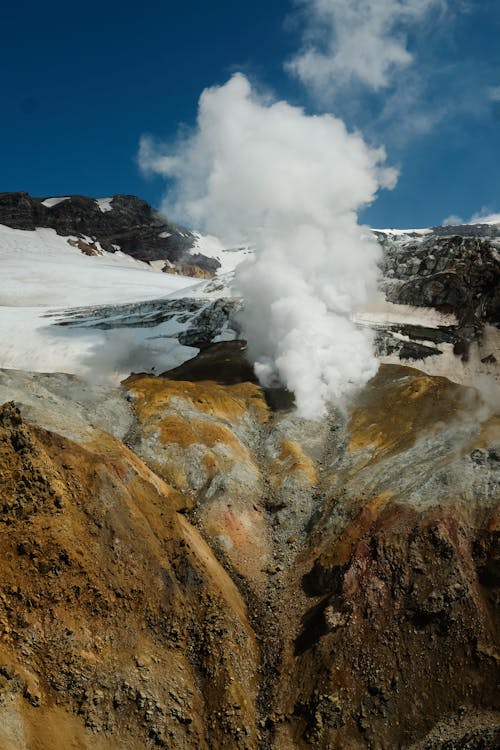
x=489, y=360
x=224, y=363
x=454, y=274
x=468, y=230
x=412, y=350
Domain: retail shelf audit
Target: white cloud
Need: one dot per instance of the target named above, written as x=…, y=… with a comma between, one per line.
x=349, y=42
x=264, y=171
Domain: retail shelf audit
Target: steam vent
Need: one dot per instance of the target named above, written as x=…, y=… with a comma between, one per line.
x=187, y=562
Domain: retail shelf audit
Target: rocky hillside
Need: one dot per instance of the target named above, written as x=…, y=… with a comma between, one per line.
x=453, y=274
x=185, y=564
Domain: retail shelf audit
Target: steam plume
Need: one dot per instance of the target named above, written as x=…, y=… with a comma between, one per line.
x=264, y=171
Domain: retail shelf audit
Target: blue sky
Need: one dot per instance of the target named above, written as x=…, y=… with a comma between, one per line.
x=82, y=82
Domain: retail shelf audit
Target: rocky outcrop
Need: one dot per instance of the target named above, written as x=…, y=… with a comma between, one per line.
x=125, y=222
x=187, y=565
x=468, y=230
x=400, y=629
x=456, y=275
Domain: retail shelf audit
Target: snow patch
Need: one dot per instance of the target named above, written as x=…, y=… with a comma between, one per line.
x=30, y=342
x=384, y=313
x=44, y=279
x=40, y=268
x=470, y=373
x=104, y=204
x=51, y=202
x=410, y=232
x=157, y=265
x=228, y=257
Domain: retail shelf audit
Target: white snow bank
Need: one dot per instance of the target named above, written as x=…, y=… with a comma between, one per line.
x=40, y=268
x=396, y=232
x=384, y=313
x=29, y=341
x=474, y=373
x=43, y=275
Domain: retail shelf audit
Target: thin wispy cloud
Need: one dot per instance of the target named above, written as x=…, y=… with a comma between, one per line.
x=494, y=93
x=393, y=68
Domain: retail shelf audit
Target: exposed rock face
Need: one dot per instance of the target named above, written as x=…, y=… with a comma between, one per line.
x=185, y=567
x=453, y=274
x=127, y=223
x=468, y=230
x=119, y=626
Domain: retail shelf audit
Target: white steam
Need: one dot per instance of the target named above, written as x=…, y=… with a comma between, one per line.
x=484, y=216
x=355, y=41
x=265, y=172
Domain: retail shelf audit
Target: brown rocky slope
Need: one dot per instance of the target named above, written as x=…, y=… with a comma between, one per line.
x=185, y=567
